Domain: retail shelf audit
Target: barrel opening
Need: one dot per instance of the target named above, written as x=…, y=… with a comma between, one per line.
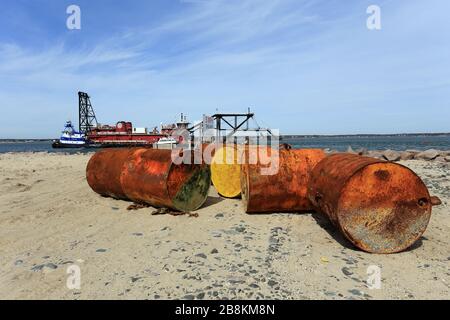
x=423, y=202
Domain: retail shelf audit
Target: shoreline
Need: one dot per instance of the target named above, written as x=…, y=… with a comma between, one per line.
x=388, y=154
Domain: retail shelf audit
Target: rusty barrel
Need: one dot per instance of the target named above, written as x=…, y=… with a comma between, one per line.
x=151, y=176
x=381, y=207
x=104, y=170
x=278, y=180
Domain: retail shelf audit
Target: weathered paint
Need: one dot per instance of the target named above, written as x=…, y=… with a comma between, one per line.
x=104, y=169
x=226, y=171
x=381, y=207
x=194, y=191
x=150, y=176
x=285, y=190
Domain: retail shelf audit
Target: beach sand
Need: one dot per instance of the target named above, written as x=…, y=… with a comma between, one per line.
x=51, y=220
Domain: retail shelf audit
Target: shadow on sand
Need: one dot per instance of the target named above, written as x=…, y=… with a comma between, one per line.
x=210, y=201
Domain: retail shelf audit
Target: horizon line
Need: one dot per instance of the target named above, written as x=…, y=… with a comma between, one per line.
x=295, y=135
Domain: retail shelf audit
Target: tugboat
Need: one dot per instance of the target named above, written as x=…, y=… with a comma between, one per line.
x=70, y=138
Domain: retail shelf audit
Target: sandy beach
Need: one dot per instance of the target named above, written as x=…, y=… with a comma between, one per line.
x=50, y=220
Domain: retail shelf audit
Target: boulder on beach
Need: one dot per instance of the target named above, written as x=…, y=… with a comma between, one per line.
x=447, y=159
x=407, y=155
x=413, y=151
x=330, y=151
x=428, y=155
x=375, y=154
x=391, y=155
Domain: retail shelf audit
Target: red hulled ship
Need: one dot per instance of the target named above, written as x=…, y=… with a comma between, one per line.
x=122, y=133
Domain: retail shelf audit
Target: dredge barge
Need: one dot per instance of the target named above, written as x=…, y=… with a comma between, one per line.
x=123, y=133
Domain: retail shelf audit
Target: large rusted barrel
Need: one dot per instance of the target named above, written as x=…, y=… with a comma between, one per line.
x=381, y=207
x=278, y=181
x=104, y=169
x=226, y=170
x=150, y=176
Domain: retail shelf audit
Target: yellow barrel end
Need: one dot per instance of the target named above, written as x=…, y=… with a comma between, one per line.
x=226, y=171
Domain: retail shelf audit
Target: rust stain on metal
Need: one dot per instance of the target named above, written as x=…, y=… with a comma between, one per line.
x=382, y=174
x=381, y=207
x=104, y=169
x=283, y=191
x=435, y=201
x=149, y=176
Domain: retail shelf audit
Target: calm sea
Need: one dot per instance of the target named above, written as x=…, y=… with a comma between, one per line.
x=400, y=143
x=34, y=146
x=419, y=142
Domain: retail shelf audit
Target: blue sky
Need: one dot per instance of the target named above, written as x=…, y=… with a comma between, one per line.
x=304, y=66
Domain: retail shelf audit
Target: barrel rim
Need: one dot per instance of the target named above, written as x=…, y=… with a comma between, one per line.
x=244, y=196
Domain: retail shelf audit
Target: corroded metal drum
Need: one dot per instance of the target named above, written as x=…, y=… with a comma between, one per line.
x=226, y=170
x=381, y=207
x=278, y=180
x=104, y=170
x=150, y=176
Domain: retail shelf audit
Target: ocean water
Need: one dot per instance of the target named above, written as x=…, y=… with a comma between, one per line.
x=35, y=146
x=341, y=143
x=399, y=143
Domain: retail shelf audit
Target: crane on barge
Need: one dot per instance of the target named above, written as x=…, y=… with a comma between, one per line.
x=121, y=134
